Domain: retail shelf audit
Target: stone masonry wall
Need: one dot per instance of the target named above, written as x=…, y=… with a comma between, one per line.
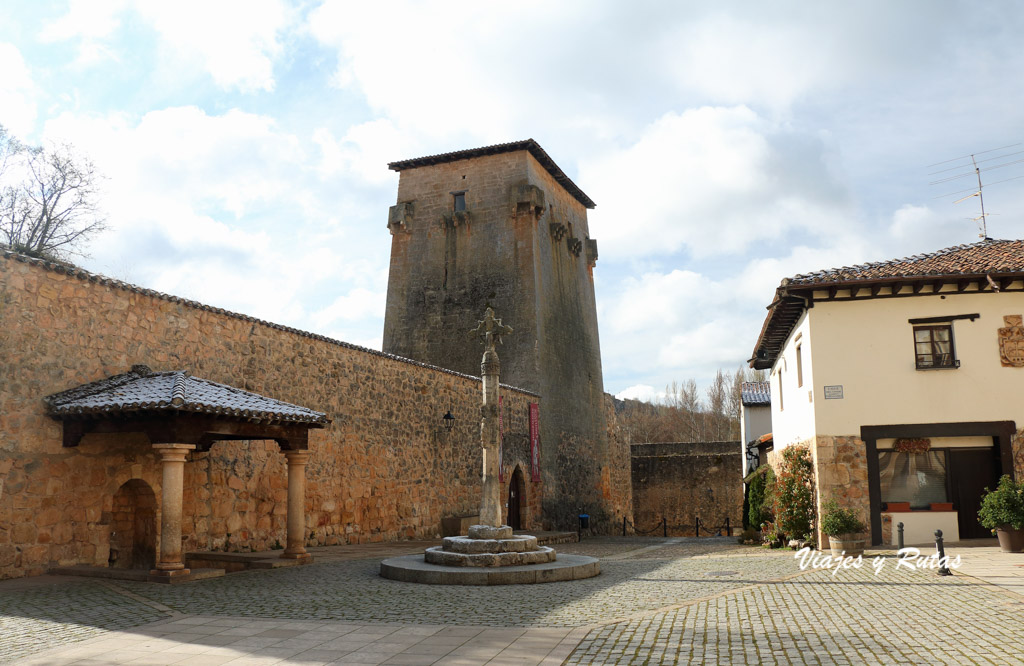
x=682, y=481
x=384, y=469
x=841, y=473
x=1018, y=454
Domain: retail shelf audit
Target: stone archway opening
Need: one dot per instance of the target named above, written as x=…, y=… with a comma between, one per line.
x=516, y=499
x=134, y=527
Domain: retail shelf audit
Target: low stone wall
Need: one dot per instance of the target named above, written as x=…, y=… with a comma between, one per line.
x=384, y=469
x=681, y=481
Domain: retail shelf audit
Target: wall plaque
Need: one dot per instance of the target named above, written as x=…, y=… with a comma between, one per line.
x=834, y=392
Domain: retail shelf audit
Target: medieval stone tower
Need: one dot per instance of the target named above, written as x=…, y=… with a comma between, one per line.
x=503, y=226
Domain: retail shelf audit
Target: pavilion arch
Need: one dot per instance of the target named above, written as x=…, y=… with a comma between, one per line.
x=133, y=538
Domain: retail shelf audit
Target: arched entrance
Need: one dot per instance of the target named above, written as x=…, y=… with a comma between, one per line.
x=516, y=499
x=133, y=539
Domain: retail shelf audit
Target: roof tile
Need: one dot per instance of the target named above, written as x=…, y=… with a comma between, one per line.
x=987, y=256
x=143, y=390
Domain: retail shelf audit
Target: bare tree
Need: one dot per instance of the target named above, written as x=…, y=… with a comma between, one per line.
x=48, y=199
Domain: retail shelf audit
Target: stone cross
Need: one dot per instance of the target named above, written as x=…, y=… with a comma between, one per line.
x=490, y=330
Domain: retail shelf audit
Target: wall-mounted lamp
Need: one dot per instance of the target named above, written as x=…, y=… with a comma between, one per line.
x=449, y=420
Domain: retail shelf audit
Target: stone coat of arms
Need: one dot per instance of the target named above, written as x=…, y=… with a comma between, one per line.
x=1011, y=342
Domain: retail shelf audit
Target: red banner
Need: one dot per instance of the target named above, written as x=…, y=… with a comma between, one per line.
x=501, y=441
x=534, y=441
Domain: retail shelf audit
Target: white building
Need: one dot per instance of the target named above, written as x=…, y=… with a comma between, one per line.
x=755, y=421
x=904, y=379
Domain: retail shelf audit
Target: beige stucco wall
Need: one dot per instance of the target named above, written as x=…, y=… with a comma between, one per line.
x=867, y=347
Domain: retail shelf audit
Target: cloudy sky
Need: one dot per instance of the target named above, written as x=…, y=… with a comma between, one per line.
x=727, y=145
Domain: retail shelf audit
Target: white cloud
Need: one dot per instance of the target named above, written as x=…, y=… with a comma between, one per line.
x=364, y=151
x=17, y=92
x=234, y=41
x=641, y=392
x=711, y=181
x=230, y=210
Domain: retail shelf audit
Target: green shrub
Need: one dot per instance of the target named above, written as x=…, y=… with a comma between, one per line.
x=759, y=504
x=1004, y=505
x=793, y=494
x=836, y=521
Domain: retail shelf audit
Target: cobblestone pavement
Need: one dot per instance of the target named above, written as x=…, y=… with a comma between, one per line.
x=854, y=617
x=658, y=601
x=34, y=618
x=353, y=590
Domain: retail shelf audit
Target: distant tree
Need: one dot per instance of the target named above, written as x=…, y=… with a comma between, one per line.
x=48, y=199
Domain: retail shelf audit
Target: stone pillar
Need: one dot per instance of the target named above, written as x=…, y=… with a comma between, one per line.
x=490, y=503
x=296, y=548
x=172, y=458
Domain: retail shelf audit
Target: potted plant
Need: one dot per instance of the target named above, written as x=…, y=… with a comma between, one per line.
x=843, y=528
x=1002, y=511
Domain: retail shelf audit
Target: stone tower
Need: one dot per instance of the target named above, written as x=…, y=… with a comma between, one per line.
x=503, y=227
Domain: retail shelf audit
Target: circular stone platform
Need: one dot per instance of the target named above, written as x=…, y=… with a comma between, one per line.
x=414, y=569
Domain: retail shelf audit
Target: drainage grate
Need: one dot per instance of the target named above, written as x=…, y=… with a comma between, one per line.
x=721, y=574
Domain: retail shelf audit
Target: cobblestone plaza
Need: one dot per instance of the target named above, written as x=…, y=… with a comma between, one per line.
x=657, y=601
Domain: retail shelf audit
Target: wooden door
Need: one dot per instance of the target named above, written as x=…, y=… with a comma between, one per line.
x=972, y=470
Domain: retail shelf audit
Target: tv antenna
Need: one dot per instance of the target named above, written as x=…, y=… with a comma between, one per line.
x=973, y=169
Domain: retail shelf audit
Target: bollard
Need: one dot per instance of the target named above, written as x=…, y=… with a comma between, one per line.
x=728, y=530
x=899, y=536
x=624, y=526
x=696, y=526
x=664, y=526
x=943, y=569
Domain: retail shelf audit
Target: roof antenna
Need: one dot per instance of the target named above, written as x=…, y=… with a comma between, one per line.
x=1005, y=158
x=983, y=226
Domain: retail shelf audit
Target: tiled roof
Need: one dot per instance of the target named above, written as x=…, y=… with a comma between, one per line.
x=755, y=394
x=529, y=145
x=991, y=265
x=142, y=390
x=987, y=256
x=85, y=276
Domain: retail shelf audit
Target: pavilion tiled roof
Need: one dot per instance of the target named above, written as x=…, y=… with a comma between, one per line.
x=987, y=256
x=142, y=390
x=992, y=265
x=755, y=394
x=528, y=144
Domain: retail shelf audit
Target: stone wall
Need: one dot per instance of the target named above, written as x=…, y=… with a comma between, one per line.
x=681, y=481
x=1018, y=454
x=841, y=473
x=384, y=469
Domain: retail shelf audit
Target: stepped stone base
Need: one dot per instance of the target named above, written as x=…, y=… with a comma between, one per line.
x=413, y=569
x=437, y=555
x=489, y=556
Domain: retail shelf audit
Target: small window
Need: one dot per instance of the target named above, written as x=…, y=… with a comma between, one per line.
x=799, y=366
x=781, y=407
x=933, y=347
x=458, y=201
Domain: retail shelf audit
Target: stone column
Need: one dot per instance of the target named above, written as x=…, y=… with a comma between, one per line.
x=172, y=458
x=490, y=502
x=296, y=548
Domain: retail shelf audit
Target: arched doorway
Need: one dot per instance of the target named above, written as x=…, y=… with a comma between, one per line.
x=133, y=539
x=516, y=499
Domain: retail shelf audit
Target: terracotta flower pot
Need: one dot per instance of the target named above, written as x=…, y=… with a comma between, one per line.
x=894, y=507
x=852, y=544
x=1010, y=540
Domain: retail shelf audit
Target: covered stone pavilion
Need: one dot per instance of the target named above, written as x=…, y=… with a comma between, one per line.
x=179, y=413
